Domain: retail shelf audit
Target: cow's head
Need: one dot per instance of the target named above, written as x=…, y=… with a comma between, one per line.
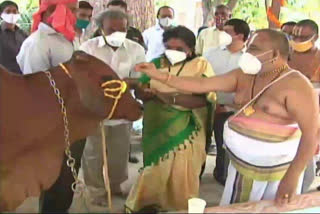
x=89, y=73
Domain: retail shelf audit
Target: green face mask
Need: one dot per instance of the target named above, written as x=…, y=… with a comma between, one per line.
x=82, y=24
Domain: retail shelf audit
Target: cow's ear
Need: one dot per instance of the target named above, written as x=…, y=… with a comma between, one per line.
x=81, y=56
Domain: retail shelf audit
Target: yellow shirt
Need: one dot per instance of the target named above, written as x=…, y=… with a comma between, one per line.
x=208, y=38
x=198, y=67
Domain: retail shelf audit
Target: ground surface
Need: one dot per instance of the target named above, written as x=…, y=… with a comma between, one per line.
x=210, y=190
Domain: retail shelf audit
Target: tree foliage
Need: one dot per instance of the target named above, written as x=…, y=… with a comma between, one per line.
x=254, y=11
x=27, y=8
x=143, y=11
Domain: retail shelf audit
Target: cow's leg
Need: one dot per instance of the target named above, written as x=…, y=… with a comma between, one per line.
x=59, y=197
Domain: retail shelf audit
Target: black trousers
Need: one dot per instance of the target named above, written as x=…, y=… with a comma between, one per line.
x=59, y=197
x=222, y=160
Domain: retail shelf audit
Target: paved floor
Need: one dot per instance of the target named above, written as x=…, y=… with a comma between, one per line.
x=210, y=191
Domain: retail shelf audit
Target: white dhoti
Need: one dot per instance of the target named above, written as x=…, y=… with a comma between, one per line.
x=242, y=189
x=259, y=160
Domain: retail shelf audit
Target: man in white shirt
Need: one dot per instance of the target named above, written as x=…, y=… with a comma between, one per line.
x=84, y=14
x=209, y=38
x=121, y=55
x=224, y=59
x=48, y=45
x=153, y=36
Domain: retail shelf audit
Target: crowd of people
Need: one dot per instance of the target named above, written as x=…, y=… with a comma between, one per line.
x=254, y=94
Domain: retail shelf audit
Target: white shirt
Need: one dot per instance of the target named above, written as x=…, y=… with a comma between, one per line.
x=208, y=38
x=122, y=61
x=80, y=39
x=43, y=49
x=223, y=61
x=153, y=38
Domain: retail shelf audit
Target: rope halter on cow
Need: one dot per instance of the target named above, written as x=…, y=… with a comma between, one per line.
x=108, y=92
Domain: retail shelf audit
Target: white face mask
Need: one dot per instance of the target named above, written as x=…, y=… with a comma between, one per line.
x=224, y=38
x=166, y=22
x=116, y=39
x=10, y=18
x=250, y=64
x=175, y=56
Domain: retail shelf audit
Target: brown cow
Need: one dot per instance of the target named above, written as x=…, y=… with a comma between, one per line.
x=32, y=132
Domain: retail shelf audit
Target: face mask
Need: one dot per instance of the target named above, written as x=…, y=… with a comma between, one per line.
x=82, y=24
x=10, y=18
x=250, y=64
x=175, y=56
x=116, y=39
x=224, y=38
x=166, y=22
x=302, y=46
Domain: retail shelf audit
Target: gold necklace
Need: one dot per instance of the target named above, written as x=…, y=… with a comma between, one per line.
x=250, y=110
x=276, y=71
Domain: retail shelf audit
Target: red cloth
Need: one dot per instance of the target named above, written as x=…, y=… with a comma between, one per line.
x=62, y=19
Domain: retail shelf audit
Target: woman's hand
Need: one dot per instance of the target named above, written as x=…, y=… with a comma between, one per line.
x=287, y=189
x=148, y=68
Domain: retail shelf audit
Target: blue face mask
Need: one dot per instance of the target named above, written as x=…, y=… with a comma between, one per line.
x=82, y=24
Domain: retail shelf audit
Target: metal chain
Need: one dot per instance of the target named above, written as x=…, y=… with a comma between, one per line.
x=71, y=161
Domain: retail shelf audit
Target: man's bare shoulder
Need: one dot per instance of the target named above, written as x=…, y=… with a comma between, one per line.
x=296, y=83
x=297, y=77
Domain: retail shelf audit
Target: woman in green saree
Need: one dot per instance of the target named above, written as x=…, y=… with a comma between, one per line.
x=174, y=130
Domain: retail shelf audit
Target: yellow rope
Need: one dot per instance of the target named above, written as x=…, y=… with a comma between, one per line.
x=121, y=89
x=105, y=169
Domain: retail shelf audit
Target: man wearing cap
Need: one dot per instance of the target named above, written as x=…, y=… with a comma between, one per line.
x=53, y=31
x=50, y=43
